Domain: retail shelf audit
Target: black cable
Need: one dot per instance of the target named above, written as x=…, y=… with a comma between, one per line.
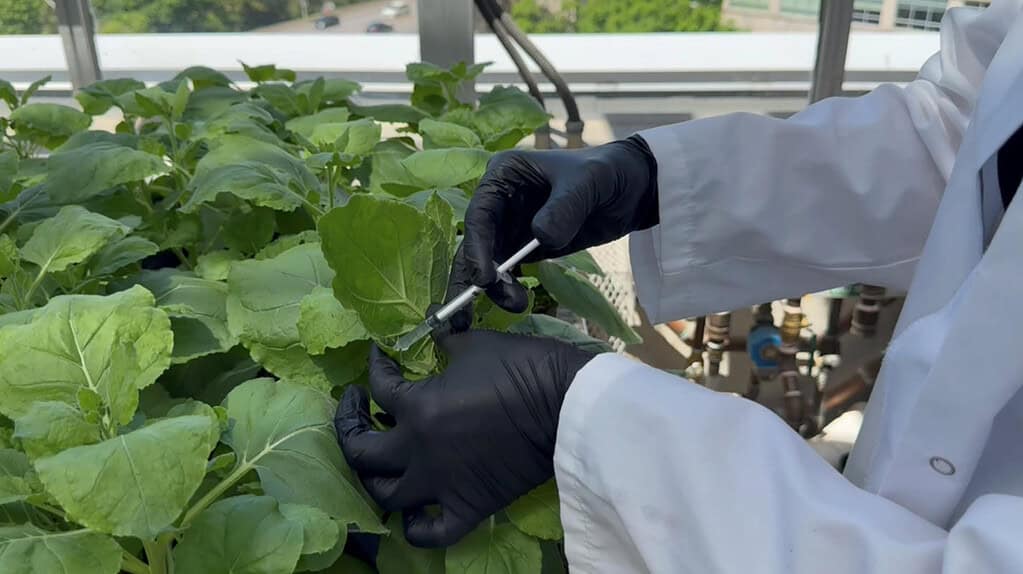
x=502, y=36
x=574, y=124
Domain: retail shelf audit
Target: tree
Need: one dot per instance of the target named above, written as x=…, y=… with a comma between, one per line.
x=619, y=16
x=26, y=17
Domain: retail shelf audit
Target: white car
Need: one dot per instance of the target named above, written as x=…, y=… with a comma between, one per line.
x=394, y=9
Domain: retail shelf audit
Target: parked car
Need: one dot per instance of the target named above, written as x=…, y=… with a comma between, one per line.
x=379, y=28
x=395, y=8
x=324, y=22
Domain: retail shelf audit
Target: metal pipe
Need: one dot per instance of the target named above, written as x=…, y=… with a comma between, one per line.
x=792, y=324
x=867, y=311
x=835, y=21
x=852, y=390
x=718, y=331
x=77, y=31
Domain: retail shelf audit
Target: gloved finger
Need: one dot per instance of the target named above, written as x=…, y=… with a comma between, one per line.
x=483, y=218
x=394, y=493
x=510, y=296
x=458, y=281
x=565, y=213
x=366, y=450
x=425, y=530
x=385, y=381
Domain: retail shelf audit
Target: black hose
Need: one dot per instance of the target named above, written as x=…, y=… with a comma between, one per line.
x=574, y=124
x=497, y=27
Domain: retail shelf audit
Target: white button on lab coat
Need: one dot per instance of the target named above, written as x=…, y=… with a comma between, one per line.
x=658, y=475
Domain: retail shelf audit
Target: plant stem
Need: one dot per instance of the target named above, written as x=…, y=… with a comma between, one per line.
x=214, y=493
x=27, y=301
x=330, y=186
x=181, y=255
x=156, y=552
x=132, y=564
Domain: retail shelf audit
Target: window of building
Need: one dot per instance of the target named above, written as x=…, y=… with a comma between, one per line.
x=800, y=7
x=757, y=4
x=977, y=3
x=867, y=11
x=920, y=14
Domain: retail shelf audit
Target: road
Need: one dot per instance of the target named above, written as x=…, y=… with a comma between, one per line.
x=354, y=20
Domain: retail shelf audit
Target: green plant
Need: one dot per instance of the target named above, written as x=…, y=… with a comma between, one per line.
x=182, y=300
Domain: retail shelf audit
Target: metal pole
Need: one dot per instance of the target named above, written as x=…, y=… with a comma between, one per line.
x=74, y=21
x=446, y=35
x=832, y=44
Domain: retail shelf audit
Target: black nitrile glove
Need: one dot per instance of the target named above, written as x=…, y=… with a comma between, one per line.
x=471, y=439
x=567, y=199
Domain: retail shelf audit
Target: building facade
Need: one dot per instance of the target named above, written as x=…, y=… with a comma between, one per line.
x=774, y=15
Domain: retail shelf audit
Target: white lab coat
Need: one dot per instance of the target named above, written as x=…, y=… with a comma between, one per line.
x=658, y=475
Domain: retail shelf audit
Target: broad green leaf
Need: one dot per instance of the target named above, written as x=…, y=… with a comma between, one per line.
x=48, y=125
x=286, y=433
x=441, y=213
x=70, y=237
x=285, y=100
x=335, y=90
x=494, y=549
x=203, y=77
x=179, y=101
x=506, y=115
x=100, y=96
x=134, y=484
x=27, y=549
x=304, y=125
x=356, y=138
x=580, y=261
x=385, y=165
x=8, y=174
x=254, y=170
x=188, y=300
x=446, y=135
x=324, y=323
x=397, y=556
x=392, y=262
x=8, y=94
x=82, y=172
x=148, y=102
x=111, y=346
x=121, y=253
x=572, y=289
x=9, y=257
x=319, y=532
x=538, y=512
x=442, y=168
x=216, y=265
x=455, y=197
x=240, y=535
x=546, y=326
x=487, y=315
x=388, y=113
x=332, y=368
x=264, y=296
x=49, y=427
x=267, y=73
x=320, y=561
x=211, y=377
x=15, y=484
x=249, y=230
x=214, y=104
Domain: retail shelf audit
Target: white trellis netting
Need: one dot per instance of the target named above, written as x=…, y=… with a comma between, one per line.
x=616, y=283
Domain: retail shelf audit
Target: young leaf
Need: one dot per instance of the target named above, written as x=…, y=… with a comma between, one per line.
x=323, y=323
x=392, y=262
x=264, y=296
x=179, y=101
x=8, y=94
x=454, y=197
x=212, y=103
x=304, y=125
x=48, y=125
x=121, y=253
x=50, y=427
x=15, y=485
x=494, y=549
x=445, y=135
x=240, y=535
x=134, y=484
x=286, y=433
x=267, y=73
x=285, y=100
x=397, y=556
x=112, y=346
x=203, y=77
x=442, y=168
x=197, y=308
x=72, y=236
x=321, y=561
x=335, y=90
x=28, y=549
x=319, y=532
x=34, y=87
x=572, y=289
x=81, y=172
x=216, y=265
x=538, y=512
x=356, y=138
x=506, y=115
x=332, y=368
x=100, y=96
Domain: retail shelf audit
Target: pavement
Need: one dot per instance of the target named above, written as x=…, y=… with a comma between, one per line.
x=354, y=20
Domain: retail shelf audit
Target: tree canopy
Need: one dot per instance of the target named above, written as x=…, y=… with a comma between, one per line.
x=618, y=16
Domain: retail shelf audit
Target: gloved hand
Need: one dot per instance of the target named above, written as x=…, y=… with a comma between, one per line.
x=567, y=199
x=471, y=440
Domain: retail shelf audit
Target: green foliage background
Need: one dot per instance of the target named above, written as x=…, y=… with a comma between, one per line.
x=619, y=16
x=26, y=17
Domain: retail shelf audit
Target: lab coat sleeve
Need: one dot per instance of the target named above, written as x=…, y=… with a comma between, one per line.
x=754, y=208
x=659, y=475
